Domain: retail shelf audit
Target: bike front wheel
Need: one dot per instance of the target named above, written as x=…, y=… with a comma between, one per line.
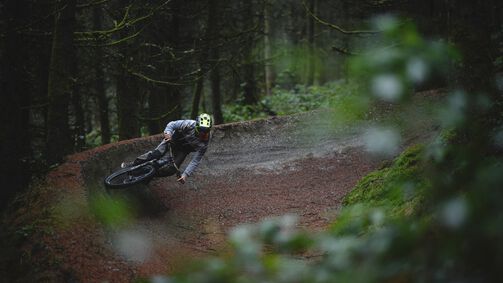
x=130, y=176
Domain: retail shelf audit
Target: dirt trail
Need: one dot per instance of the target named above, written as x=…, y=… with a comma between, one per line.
x=290, y=165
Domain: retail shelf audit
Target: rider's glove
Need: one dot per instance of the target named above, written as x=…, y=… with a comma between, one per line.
x=167, y=136
x=182, y=179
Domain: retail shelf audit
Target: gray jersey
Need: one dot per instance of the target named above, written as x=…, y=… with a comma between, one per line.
x=183, y=132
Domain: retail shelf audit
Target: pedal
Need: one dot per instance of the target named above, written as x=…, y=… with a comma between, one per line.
x=125, y=164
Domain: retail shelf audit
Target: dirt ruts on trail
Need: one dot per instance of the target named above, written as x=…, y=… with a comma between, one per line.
x=299, y=164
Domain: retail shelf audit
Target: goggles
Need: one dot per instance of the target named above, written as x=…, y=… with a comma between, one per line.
x=203, y=130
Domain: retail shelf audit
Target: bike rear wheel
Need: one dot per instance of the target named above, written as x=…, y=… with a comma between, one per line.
x=126, y=177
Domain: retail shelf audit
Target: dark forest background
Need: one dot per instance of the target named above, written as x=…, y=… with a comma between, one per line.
x=77, y=74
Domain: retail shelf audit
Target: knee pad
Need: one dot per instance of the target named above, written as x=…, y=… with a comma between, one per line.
x=155, y=154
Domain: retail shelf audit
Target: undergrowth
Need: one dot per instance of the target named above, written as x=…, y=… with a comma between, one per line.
x=299, y=99
x=397, y=186
x=25, y=222
x=392, y=192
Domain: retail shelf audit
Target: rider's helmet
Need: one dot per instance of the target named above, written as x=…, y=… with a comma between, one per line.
x=203, y=123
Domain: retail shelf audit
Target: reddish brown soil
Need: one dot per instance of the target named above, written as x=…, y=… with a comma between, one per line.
x=192, y=220
x=252, y=171
x=199, y=220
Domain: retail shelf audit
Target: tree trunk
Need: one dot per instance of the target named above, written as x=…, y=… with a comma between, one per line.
x=311, y=62
x=60, y=83
x=269, y=72
x=79, y=126
x=473, y=28
x=156, y=110
x=100, y=94
x=173, y=96
x=291, y=28
x=203, y=61
x=250, y=91
x=153, y=110
x=345, y=41
x=128, y=97
x=213, y=28
x=250, y=88
x=127, y=106
x=14, y=110
x=472, y=34
x=215, y=92
x=196, y=101
x=174, y=102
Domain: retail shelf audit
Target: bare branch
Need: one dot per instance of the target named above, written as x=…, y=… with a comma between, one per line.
x=344, y=51
x=337, y=28
x=91, y=4
x=347, y=52
x=144, y=77
x=117, y=27
x=125, y=22
x=119, y=41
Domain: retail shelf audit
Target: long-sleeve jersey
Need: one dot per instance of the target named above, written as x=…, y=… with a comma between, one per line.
x=183, y=133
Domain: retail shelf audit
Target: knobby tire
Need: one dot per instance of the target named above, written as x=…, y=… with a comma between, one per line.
x=126, y=177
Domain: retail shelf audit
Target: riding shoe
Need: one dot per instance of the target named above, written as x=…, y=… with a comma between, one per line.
x=126, y=164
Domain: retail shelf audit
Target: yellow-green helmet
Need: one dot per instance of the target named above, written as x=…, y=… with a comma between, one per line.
x=203, y=123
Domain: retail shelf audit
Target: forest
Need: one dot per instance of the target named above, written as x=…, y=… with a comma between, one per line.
x=79, y=74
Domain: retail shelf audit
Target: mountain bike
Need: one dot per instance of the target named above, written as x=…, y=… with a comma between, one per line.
x=142, y=173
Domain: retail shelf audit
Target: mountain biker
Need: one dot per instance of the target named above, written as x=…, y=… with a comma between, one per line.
x=185, y=136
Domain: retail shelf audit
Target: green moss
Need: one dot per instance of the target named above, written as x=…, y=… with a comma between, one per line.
x=394, y=192
x=398, y=187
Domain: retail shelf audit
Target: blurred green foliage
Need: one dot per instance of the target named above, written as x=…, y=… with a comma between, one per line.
x=293, y=62
x=93, y=138
x=433, y=215
x=113, y=211
x=299, y=99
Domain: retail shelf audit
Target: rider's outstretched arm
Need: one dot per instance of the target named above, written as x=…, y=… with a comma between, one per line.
x=179, y=125
x=194, y=163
